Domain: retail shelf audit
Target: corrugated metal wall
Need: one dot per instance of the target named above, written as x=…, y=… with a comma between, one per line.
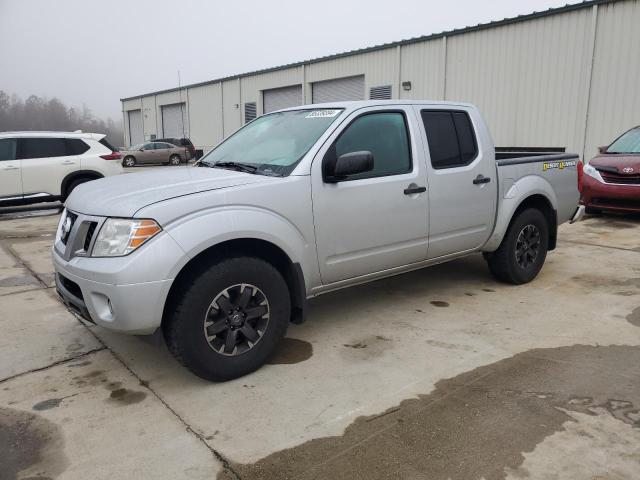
x=563, y=80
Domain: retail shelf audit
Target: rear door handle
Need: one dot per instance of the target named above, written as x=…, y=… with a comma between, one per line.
x=481, y=179
x=11, y=167
x=413, y=189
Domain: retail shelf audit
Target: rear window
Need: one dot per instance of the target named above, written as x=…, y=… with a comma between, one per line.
x=42, y=148
x=452, y=142
x=108, y=145
x=75, y=146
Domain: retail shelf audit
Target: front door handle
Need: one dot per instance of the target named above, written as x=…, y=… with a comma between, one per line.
x=11, y=167
x=481, y=179
x=413, y=189
x=68, y=162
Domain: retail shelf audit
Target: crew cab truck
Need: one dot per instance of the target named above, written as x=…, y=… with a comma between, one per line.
x=222, y=256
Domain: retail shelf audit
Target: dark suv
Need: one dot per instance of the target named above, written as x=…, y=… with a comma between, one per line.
x=180, y=142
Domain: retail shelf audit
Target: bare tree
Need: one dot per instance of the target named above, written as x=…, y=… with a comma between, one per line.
x=39, y=113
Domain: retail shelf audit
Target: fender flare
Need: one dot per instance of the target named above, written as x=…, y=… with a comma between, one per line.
x=514, y=194
x=77, y=174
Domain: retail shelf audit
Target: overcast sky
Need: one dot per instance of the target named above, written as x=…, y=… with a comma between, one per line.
x=96, y=52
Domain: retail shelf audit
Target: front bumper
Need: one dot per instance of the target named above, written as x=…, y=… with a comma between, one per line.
x=609, y=196
x=119, y=293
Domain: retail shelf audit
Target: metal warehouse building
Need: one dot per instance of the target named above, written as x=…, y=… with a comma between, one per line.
x=564, y=78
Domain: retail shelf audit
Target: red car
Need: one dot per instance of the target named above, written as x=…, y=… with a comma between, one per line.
x=611, y=180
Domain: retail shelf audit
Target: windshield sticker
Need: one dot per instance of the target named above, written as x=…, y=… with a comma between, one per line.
x=323, y=113
x=561, y=165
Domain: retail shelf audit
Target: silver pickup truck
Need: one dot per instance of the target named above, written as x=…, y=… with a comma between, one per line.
x=222, y=256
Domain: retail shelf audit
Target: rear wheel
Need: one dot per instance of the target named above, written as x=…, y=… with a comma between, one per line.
x=174, y=160
x=228, y=317
x=128, y=161
x=523, y=250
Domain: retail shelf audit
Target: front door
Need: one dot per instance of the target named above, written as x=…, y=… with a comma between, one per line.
x=10, y=177
x=462, y=181
x=376, y=220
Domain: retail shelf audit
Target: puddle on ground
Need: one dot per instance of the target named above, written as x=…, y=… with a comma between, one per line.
x=30, y=445
x=608, y=223
x=290, y=351
x=476, y=425
x=117, y=394
x=124, y=396
x=19, y=281
x=634, y=317
x=599, y=282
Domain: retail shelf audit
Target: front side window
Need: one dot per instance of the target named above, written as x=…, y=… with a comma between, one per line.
x=42, y=147
x=452, y=142
x=8, y=148
x=383, y=134
x=149, y=146
x=274, y=143
x=627, y=143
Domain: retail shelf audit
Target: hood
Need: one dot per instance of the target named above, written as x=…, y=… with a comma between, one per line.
x=123, y=195
x=618, y=161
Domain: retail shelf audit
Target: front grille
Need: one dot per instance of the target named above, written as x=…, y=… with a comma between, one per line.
x=67, y=226
x=616, y=202
x=89, y=236
x=72, y=287
x=610, y=177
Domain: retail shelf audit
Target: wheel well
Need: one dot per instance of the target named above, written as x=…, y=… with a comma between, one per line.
x=250, y=247
x=542, y=203
x=80, y=174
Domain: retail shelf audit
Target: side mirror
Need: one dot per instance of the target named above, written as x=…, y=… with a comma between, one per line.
x=347, y=164
x=603, y=149
x=142, y=149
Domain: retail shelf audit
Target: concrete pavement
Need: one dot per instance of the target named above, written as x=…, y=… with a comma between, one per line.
x=440, y=373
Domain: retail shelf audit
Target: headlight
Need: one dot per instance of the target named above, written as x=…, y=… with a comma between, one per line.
x=63, y=220
x=592, y=172
x=121, y=236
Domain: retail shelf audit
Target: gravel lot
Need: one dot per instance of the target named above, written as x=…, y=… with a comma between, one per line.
x=437, y=374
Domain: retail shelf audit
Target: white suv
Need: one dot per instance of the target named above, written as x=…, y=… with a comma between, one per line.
x=47, y=166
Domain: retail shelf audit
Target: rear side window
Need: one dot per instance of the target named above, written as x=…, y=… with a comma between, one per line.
x=8, y=149
x=452, y=142
x=383, y=134
x=75, y=146
x=104, y=143
x=42, y=148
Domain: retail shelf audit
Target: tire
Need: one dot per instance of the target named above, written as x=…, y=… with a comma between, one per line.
x=129, y=161
x=175, y=160
x=199, y=296
x=512, y=262
x=73, y=184
x=592, y=211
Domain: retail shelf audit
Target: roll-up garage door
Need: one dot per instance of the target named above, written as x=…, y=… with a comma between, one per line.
x=279, y=98
x=338, y=90
x=136, y=135
x=174, y=121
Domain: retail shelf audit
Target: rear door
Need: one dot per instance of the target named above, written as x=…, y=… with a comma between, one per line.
x=375, y=220
x=45, y=162
x=10, y=176
x=462, y=179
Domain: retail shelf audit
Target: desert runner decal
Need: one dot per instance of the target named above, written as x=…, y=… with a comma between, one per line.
x=561, y=165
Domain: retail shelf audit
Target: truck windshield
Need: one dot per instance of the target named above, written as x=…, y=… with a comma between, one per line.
x=627, y=143
x=272, y=144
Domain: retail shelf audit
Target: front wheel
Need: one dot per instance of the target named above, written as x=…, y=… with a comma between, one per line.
x=523, y=250
x=228, y=317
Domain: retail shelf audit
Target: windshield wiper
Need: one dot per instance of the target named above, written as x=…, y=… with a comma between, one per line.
x=243, y=167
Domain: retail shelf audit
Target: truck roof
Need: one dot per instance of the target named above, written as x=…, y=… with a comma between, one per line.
x=354, y=105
